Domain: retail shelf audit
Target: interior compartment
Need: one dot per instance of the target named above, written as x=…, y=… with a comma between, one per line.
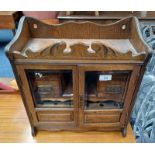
x=51, y=88
x=105, y=90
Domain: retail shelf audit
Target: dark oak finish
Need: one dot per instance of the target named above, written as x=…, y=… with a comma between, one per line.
x=83, y=53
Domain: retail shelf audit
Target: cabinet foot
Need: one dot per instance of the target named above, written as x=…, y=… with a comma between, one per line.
x=33, y=131
x=124, y=132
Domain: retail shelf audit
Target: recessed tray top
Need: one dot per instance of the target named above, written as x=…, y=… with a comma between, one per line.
x=79, y=41
x=120, y=45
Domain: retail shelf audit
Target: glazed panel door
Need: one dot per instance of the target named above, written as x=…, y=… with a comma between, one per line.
x=104, y=92
x=51, y=94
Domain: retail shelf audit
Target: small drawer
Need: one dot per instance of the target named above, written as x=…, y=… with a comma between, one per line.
x=107, y=116
x=101, y=118
x=55, y=116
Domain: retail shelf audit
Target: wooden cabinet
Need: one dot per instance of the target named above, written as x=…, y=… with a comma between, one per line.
x=78, y=76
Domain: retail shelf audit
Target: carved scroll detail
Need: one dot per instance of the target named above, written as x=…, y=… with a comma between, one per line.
x=77, y=50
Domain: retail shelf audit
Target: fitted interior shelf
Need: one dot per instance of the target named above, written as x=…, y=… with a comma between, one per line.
x=101, y=105
x=55, y=104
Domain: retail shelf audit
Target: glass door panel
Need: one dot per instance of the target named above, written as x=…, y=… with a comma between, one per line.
x=105, y=89
x=52, y=89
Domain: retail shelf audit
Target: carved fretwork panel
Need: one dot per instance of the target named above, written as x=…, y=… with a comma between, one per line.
x=80, y=50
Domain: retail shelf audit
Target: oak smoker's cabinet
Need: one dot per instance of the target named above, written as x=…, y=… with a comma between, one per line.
x=78, y=76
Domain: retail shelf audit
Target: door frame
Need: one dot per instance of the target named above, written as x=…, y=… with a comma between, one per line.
x=135, y=70
x=26, y=90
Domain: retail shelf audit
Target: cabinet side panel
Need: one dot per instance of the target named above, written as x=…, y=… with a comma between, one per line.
x=129, y=95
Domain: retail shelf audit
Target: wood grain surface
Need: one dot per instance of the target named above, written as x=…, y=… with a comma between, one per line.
x=8, y=19
x=127, y=30
x=16, y=128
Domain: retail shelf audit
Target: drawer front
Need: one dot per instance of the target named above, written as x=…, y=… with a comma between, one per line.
x=101, y=118
x=107, y=116
x=55, y=116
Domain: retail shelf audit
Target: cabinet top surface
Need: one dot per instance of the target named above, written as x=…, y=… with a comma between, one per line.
x=73, y=40
x=120, y=45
